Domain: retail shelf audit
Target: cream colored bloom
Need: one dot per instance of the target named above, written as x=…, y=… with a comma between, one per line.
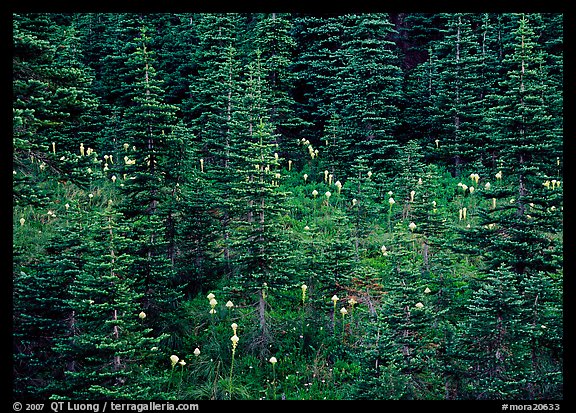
x=334, y=299
x=352, y=301
x=229, y=304
x=328, y=194
x=213, y=302
x=427, y=290
x=22, y=221
x=182, y=363
x=142, y=315
x=384, y=250
x=234, y=340
x=304, y=287
x=391, y=201
x=419, y=305
x=210, y=296
x=305, y=177
x=273, y=360
x=354, y=201
x=487, y=185
x=412, y=193
x=343, y=311
x=315, y=193
x=174, y=359
x=196, y=351
x=412, y=226
x=234, y=327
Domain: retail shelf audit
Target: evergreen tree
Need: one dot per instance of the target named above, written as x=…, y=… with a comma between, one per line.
x=368, y=92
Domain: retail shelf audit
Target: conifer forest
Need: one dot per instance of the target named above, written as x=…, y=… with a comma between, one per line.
x=287, y=206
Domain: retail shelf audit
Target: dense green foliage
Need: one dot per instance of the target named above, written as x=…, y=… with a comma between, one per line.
x=288, y=206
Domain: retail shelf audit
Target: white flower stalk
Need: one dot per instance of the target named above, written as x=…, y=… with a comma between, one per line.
x=384, y=250
x=419, y=305
x=328, y=195
x=338, y=185
x=354, y=202
x=273, y=360
x=234, y=327
x=304, y=287
x=493, y=203
x=498, y=175
x=196, y=351
x=229, y=304
x=419, y=181
x=276, y=156
x=234, y=340
x=305, y=177
x=330, y=177
x=427, y=290
x=412, y=193
x=81, y=149
x=210, y=296
x=391, y=201
x=290, y=165
x=142, y=315
x=126, y=146
x=182, y=363
x=22, y=221
x=315, y=193
x=460, y=214
x=487, y=185
x=412, y=226
x=334, y=299
x=471, y=189
x=174, y=359
x=326, y=175
x=343, y=311
x=437, y=142
x=113, y=178
x=54, y=148
x=464, y=210
x=201, y=165
x=369, y=174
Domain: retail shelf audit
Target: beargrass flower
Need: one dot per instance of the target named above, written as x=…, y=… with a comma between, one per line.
x=343, y=311
x=196, y=351
x=391, y=201
x=229, y=304
x=234, y=327
x=234, y=340
x=412, y=193
x=22, y=221
x=142, y=315
x=328, y=194
x=384, y=250
x=412, y=226
x=315, y=193
x=427, y=290
x=487, y=185
x=419, y=305
x=174, y=359
x=210, y=296
x=273, y=360
x=354, y=201
x=305, y=177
